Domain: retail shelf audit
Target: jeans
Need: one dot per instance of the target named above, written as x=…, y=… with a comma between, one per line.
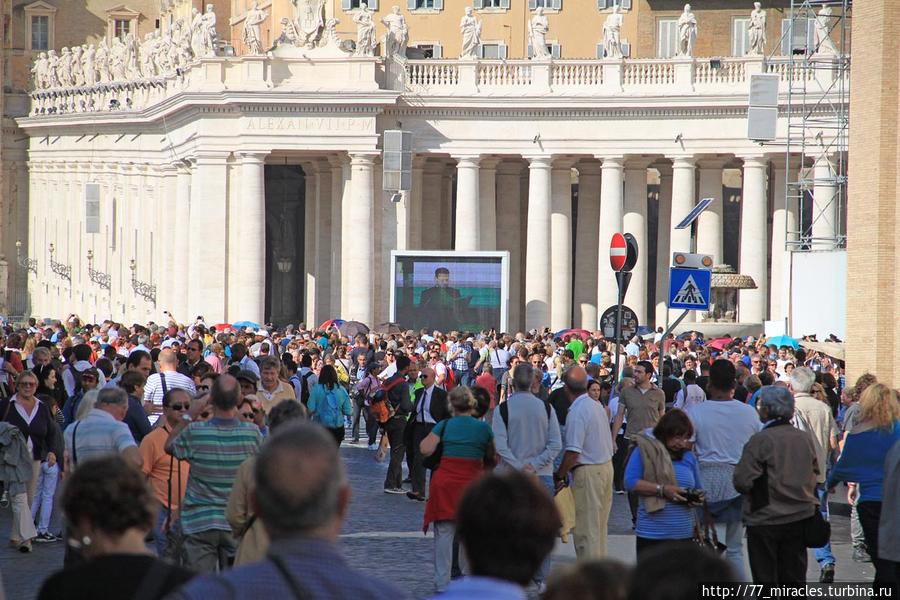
x=444, y=532
x=463, y=377
x=394, y=430
x=358, y=408
x=731, y=533
x=544, y=570
x=42, y=505
x=166, y=541
x=208, y=550
x=856, y=530
x=823, y=555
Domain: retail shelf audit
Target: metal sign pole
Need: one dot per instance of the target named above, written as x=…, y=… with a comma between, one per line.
x=620, y=276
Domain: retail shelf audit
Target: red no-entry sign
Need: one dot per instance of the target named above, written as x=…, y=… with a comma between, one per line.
x=618, y=252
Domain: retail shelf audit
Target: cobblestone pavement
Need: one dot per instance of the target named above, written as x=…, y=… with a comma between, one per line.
x=383, y=537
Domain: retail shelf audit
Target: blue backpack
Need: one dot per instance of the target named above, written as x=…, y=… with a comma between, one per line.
x=328, y=412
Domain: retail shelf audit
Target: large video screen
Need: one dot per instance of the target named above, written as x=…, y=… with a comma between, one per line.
x=449, y=291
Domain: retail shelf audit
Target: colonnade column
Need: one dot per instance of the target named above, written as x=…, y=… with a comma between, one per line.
x=252, y=233
x=208, y=273
x=468, y=206
x=663, y=254
x=346, y=242
x=684, y=198
x=586, y=265
x=509, y=218
x=754, y=237
x=487, y=197
x=634, y=221
x=432, y=202
x=611, y=213
x=358, y=240
x=783, y=221
x=181, y=224
x=323, y=241
x=826, y=202
x=537, y=251
x=415, y=197
x=446, y=217
x=561, y=244
x=710, y=233
x=310, y=248
x=337, y=193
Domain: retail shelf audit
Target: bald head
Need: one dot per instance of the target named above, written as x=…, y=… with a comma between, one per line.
x=576, y=380
x=168, y=359
x=225, y=393
x=301, y=488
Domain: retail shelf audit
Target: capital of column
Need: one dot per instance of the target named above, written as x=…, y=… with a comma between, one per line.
x=610, y=162
x=717, y=162
x=337, y=161
x=210, y=157
x=490, y=163
x=252, y=157
x=755, y=161
x=539, y=162
x=683, y=162
x=363, y=159
x=637, y=163
x=467, y=161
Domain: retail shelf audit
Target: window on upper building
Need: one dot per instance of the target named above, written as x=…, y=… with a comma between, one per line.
x=493, y=51
x=39, y=20
x=797, y=35
x=354, y=4
x=666, y=38
x=740, y=36
x=553, y=4
x=121, y=28
x=420, y=51
x=479, y=4
x=40, y=32
x=425, y=4
x=623, y=4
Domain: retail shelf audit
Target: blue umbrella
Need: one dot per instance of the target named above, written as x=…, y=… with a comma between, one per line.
x=244, y=324
x=783, y=340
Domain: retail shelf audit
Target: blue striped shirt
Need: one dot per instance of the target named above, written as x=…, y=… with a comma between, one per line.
x=215, y=449
x=98, y=434
x=675, y=521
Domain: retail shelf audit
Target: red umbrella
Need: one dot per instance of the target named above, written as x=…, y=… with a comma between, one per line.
x=582, y=333
x=222, y=326
x=331, y=323
x=719, y=343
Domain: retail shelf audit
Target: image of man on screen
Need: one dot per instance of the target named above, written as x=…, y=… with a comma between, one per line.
x=441, y=305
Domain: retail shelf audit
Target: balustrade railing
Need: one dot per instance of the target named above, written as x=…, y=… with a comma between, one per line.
x=440, y=77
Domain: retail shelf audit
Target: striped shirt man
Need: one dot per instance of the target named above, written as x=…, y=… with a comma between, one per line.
x=215, y=449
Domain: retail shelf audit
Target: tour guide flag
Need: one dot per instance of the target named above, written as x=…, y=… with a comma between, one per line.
x=689, y=288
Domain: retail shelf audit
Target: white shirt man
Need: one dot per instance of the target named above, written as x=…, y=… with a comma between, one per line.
x=168, y=378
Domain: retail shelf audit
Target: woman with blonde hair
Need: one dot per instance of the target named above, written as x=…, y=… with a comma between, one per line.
x=467, y=444
x=861, y=465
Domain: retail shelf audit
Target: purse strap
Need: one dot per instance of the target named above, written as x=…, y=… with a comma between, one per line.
x=297, y=590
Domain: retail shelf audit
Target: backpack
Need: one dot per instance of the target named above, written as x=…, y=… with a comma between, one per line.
x=504, y=413
x=472, y=358
x=70, y=407
x=450, y=380
x=328, y=412
x=380, y=405
x=304, y=387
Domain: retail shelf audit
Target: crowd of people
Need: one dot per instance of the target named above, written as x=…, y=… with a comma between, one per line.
x=220, y=446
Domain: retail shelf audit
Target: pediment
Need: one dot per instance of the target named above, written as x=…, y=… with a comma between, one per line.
x=39, y=6
x=123, y=11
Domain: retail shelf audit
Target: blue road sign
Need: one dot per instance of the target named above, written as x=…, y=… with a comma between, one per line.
x=689, y=288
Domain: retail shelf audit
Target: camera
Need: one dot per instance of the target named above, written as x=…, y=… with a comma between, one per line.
x=695, y=495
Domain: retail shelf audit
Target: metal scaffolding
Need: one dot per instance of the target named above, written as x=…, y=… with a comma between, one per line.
x=818, y=116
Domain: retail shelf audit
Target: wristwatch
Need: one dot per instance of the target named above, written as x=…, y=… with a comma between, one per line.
x=659, y=490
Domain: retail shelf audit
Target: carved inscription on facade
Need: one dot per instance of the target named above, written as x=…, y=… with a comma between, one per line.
x=316, y=124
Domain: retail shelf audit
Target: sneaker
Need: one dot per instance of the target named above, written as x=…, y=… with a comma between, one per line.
x=46, y=538
x=25, y=547
x=620, y=491
x=373, y=446
x=860, y=555
x=4, y=499
x=826, y=575
x=394, y=491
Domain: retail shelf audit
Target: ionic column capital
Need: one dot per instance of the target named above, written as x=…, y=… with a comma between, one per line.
x=467, y=161
x=684, y=162
x=754, y=161
x=542, y=161
x=250, y=157
x=363, y=159
x=490, y=163
x=611, y=162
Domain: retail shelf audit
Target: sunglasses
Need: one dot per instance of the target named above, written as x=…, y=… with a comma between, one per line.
x=178, y=406
x=247, y=415
x=202, y=388
x=582, y=361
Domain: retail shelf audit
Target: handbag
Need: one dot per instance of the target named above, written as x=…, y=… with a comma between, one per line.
x=433, y=460
x=816, y=531
x=705, y=535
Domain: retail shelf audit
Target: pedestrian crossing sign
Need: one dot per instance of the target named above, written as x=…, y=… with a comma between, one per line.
x=689, y=289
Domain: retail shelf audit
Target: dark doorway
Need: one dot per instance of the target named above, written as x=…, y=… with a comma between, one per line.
x=285, y=233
